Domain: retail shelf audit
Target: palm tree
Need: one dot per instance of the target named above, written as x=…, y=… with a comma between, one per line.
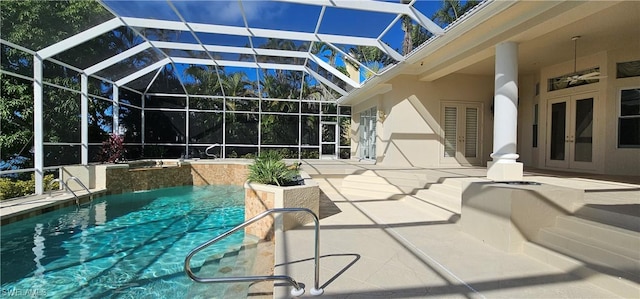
x=451, y=10
x=407, y=28
x=205, y=81
x=329, y=52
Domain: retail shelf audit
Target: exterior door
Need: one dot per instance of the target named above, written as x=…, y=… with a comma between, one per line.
x=461, y=133
x=367, y=142
x=329, y=140
x=570, y=132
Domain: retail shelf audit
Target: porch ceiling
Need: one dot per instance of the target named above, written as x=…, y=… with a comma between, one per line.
x=543, y=40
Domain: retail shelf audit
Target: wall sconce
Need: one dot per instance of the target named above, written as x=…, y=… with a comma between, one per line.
x=381, y=115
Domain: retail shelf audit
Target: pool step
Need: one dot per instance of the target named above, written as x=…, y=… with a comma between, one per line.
x=370, y=185
x=382, y=184
x=621, y=286
x=439, y=192
x=611, y=215
x=446, y=195
x=606, y=255
x=233, y=261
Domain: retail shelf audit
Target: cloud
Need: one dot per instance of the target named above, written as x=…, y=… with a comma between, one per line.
x=228, y=12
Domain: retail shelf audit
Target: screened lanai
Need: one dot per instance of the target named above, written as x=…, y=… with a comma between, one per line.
x=191, y=79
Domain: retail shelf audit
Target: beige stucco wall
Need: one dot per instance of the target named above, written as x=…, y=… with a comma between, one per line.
x=608, y=158
x=260, y=197
x=526, y=102
x=410, y=133
x=619, y=160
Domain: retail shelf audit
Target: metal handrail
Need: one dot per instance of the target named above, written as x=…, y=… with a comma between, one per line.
x=298, y=291
x=66, y=188
x=206, y=151
x=77, y=180
x=62, y=184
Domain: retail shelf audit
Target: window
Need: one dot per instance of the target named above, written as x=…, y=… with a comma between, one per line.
x=629, y=119
x=535, y=126
x=583, y=77
x=628, y=69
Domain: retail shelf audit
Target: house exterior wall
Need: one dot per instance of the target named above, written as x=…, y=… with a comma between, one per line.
x=410, y=134
x=526, y=101
x=608, y=158
x=619, y=160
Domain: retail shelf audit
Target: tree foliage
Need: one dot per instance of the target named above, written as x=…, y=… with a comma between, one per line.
x=36, y=25
x=451, y=10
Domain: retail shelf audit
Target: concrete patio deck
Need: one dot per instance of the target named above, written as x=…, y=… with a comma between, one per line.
x=386, y=248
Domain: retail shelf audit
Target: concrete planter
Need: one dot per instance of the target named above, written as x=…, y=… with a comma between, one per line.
x=260, y=197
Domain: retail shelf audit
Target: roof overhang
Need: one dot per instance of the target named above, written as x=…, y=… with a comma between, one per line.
x=472, y=41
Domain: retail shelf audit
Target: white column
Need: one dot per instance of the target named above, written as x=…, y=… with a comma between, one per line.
x=84, y=119
x=187, y=131
x=142, y=126
x=505, y=119
x=38, y=148
x=115, y=96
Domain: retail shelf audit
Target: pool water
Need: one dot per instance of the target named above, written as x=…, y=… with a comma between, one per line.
x=122, y=246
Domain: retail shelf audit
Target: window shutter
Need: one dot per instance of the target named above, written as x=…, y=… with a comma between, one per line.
x=471, y=133
x=450, y=131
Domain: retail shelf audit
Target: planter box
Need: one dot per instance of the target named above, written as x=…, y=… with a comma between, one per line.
x=260, y=197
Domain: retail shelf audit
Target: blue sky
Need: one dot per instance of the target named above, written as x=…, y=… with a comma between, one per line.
x=270, y=15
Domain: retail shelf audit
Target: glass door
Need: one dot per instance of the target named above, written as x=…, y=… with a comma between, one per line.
x=329, y=140
x=367, y=142
x=570, y=132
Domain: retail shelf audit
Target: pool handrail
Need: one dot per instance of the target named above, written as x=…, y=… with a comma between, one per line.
x=62, y=184
x=77, y=180
x=298, y=291
x=206, y=151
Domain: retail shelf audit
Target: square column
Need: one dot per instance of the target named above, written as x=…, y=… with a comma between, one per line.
x=505, y=126
x=84, y=119
x=38, y=116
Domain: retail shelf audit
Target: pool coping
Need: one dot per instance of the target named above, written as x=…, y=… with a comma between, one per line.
x=12, y=210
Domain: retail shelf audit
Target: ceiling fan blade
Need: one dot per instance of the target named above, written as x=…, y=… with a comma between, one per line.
x=573, y=79
x=589, y=75
x=594, y=77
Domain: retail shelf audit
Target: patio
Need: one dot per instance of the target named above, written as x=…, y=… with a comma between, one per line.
x=409, y=249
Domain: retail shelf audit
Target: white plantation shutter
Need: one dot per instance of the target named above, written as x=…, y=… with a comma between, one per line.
x=450, y=131
x=471, y=132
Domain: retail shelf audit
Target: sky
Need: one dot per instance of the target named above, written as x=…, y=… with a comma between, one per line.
x=273, y=15
x=270, y=15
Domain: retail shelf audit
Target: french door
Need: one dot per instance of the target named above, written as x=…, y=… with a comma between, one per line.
x=570, y=132
x=329, y=140
x=461, y=133
x=367, y=130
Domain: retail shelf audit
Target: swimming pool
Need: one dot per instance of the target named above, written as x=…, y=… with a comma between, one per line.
x=123, y=246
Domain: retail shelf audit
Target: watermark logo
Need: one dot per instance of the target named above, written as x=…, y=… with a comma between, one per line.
x=33, y=293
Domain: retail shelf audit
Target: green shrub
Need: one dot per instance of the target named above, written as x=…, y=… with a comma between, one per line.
x=269, y=168
x=11, y=188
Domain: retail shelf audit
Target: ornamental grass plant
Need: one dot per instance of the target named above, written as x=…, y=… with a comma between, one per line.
x=269, y=168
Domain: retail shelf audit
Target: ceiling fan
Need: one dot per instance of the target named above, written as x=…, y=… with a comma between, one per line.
x=576, y=77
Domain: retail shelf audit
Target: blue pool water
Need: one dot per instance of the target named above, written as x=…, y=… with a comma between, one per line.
x=122, y=246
